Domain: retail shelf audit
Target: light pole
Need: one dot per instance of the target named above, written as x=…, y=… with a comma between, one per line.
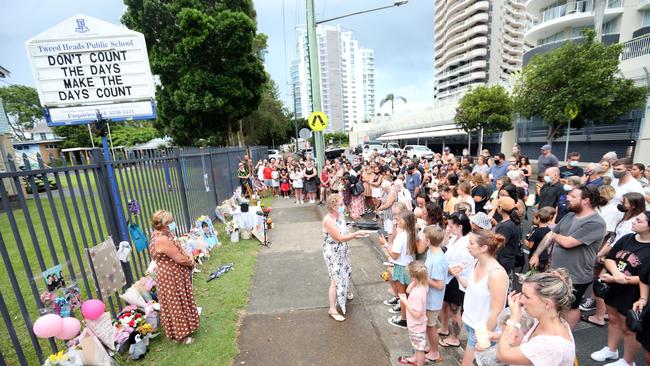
x=314, y=72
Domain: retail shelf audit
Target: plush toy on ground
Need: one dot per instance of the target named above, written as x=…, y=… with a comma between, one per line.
x=137, y=348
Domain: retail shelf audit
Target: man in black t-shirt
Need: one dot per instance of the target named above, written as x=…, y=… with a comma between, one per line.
x=552, y=189
x=571, y=169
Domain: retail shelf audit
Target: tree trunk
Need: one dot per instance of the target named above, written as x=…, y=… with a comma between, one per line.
x=480, y=142
x=599, y=13
x=552, y=133
x=229, y=132
x=240, y=134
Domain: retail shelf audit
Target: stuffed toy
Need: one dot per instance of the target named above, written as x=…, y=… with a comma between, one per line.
x=137, y=348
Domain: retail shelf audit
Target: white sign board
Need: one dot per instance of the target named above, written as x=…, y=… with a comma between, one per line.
x=86, y=64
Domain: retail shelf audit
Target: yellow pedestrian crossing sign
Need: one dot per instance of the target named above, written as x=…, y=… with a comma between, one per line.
x=317, y=121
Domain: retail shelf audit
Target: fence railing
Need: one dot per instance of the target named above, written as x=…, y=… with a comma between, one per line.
x=59, y=212
x=636, y=48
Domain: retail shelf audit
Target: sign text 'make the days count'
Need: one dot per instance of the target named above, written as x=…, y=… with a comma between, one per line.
x=91, y=71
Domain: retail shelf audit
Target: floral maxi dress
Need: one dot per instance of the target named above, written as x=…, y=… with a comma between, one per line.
x=339, y=265
x=178, y=314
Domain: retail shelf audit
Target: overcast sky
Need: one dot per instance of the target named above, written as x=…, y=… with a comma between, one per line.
x=402, y=38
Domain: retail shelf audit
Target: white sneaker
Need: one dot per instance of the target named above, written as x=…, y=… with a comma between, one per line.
x=619, y=362
x=605, y=354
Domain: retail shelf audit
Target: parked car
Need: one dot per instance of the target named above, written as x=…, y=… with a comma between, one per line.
x=334, y=152
x=374, y=146
x=274, y=153
x=417, y=152
x=391, y=147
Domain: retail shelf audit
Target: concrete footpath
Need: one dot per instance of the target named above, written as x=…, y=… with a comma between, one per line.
x=286, y=321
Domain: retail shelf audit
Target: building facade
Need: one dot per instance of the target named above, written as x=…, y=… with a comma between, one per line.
x=476, y=43
x=551, y=24
x=347, y=75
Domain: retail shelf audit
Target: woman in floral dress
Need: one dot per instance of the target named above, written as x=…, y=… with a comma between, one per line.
x=337, y=255
x=178, y=314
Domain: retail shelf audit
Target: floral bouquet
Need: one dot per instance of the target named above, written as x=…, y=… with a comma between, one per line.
x=130, y=320
x=231, y=227
x=68, y=357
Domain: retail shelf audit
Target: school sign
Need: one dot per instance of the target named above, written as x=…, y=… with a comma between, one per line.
x=85, y=65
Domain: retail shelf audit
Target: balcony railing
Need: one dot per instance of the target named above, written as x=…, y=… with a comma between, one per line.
x=636, y=48
x=584, y=6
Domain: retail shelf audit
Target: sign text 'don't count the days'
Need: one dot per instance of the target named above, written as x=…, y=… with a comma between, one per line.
x=91, y=71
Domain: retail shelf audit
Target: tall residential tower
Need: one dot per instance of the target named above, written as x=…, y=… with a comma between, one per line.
x=477, y=42
x=347, y=74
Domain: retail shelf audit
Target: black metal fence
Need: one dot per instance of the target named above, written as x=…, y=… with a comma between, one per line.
x=51, y=215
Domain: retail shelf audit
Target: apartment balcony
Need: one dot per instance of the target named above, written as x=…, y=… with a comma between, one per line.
x=607, y=39
x=480, y=64
x=644, y=4
x=481, y=52
x=461, y=15
x=461, y=37
x=580, y=14
x=517, y=4
x=452, y=92
x=636, y=48
x=465, y=25
x=461, y=48
x=452, y=83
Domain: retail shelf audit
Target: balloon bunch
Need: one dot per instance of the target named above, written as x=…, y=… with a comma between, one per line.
x=53, y=325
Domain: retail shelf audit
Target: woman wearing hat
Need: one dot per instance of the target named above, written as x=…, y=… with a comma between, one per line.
x=480, y=221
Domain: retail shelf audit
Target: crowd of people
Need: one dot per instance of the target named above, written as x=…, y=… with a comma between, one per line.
x=455, y=231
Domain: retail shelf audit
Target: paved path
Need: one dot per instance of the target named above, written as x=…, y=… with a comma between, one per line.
x=286, y=320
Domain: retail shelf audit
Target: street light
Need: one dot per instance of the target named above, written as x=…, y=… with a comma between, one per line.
x=314, y=72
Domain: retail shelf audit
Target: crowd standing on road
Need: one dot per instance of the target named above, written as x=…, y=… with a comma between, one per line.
x=462, y=220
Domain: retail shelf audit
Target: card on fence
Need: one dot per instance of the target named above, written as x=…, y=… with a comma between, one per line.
x=110, y=276
x=53, y=277
x=103, y=329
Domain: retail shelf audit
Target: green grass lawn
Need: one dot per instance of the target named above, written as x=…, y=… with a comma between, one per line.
x=221, y=299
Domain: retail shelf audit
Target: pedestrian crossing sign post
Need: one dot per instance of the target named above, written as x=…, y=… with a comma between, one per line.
x=317, y=121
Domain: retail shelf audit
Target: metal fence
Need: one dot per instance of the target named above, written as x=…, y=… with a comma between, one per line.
x=60, y=212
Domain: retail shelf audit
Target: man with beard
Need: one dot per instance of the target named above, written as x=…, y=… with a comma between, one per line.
x=575, y=241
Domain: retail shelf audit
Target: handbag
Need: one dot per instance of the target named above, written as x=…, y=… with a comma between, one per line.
x=634, y=320
x=601, y=289
x=358, y=188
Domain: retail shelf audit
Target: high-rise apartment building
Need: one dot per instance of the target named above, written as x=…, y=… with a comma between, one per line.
x=477, y=42
x=347, y=75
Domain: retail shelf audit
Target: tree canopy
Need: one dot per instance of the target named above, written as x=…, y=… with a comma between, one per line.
x=270, y=124
x=486, y=107
x=577, y=82
x=22, y=107
x=209, y=60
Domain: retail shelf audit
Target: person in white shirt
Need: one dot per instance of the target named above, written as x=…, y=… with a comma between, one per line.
x=624, y=182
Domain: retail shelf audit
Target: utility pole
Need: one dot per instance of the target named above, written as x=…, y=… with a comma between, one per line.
x=314, y=73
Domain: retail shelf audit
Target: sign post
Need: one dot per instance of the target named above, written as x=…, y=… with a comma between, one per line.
x=90, y=71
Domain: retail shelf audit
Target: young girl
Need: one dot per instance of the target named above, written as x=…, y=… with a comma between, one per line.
x=402, y=250
x=275, y=180
x=437, y=266
x=284, y=183
x=539, y=230
x=416, y=306
x=296, y=178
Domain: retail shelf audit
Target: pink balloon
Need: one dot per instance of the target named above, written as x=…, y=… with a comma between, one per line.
x=92, y=309
x=70, y=329
x=48, y=325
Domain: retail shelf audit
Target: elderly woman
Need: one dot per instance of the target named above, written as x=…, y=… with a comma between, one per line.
x=178, y=314
x=402, y=194
x=546, y=297
x=337, y=255
x=384, y=211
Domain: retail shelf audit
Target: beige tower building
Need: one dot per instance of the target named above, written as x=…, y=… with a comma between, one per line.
x=476, y=43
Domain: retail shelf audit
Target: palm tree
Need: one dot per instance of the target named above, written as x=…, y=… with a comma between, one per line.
x=391, y=98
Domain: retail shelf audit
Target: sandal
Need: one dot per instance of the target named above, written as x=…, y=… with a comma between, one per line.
x=428, y=360
x=588, y=319
x=336, y=316
x=188, y=340
x=443, y=343
x=403, y=360
x=350, y=296
x=443, y=334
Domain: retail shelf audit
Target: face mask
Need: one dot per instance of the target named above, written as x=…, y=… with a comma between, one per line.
x=547, y=179
x=341, y=210
x=618, y=175
x=573, y=163
x=172, y=226
x=568, y=187
x=620, y=207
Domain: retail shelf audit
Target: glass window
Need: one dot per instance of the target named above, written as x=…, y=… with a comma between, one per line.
x=646, y=18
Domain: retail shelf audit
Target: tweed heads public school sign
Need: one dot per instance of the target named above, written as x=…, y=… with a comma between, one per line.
x=85, y=65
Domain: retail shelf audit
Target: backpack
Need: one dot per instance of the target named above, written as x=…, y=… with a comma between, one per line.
x=139, y=237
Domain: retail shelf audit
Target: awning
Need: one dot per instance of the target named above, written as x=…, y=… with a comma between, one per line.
x=438, y=131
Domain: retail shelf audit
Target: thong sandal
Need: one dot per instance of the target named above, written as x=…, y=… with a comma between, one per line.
x=588, y=320
x=403, y=360
x=443, y=343
x=428, y=360
x=350, y=296
x=336, y=316
x=443, y=334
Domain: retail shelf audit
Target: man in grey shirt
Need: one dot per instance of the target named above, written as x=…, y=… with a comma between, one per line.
x=576, y=239
x=546, y=159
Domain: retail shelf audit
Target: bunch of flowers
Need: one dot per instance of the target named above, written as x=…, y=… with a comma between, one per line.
x=129, y=320
x=231, y=227
x=70, y=357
